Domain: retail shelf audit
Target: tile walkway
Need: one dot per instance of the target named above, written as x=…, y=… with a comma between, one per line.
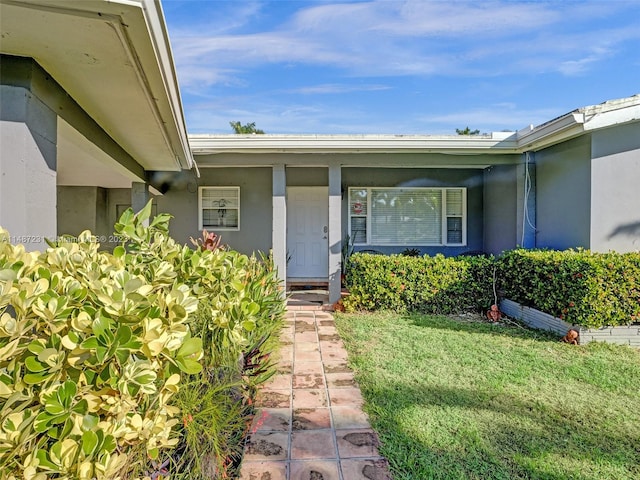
x=309, y=424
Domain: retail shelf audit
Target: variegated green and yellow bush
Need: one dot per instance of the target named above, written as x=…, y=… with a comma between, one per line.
x=90, y=353
x=239, y=315
x=94, y=345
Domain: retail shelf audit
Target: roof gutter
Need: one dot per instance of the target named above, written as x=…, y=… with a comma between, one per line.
x=550, y=133
x=214, y=144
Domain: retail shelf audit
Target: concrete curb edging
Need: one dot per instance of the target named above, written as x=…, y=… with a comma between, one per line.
x=623, y=335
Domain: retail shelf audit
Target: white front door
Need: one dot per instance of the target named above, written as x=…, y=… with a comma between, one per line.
x=307, y=232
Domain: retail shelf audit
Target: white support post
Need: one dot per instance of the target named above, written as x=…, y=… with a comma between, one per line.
x=139, y=197
x=335, y=232
x=279, y=232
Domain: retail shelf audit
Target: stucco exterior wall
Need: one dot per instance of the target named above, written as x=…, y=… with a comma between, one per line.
x=77, y=209
x=307, y=176
x=500, y=203
x=472, y=179
x=181, y=201
x=563, y=195
x=615, y=189
x=28, y=163
x=91, y=208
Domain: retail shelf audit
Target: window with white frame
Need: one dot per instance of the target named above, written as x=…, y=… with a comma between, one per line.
x=219, y=208
x=407, y=216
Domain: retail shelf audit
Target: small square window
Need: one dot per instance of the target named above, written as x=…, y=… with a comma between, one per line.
x=219, y=208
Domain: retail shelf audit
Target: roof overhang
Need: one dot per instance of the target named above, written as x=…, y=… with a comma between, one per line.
x=499, y=142
x=114, y=59
x=565, y=127
x=583, y=120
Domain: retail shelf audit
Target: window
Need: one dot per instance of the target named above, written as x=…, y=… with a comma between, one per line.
x=407, y=216
x=219, y=208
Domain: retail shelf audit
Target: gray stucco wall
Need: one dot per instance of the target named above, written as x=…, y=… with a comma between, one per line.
x=615, y=189
x=307, y=176
x=103, y=227
x=500, y=203
x=28, y=154
x=91, y=208
x=181, y=201
x=426, y=177
x=563, y=195
x=77, y=209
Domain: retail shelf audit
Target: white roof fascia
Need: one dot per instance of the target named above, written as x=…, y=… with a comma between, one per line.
x=530, y=138
x=573, y=124
x=598, y=120
x=160, y=38
x=550, y=133
x=211, y=144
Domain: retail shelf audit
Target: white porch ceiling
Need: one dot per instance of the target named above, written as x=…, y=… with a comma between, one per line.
x=114, y=59
x=81, y=163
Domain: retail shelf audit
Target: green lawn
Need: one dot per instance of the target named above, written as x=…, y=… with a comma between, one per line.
x=459, y=399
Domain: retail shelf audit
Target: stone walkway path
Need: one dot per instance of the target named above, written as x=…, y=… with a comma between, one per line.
x=309, y=424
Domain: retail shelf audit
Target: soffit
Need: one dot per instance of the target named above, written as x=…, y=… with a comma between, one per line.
x=113, y=59
x=81, y=163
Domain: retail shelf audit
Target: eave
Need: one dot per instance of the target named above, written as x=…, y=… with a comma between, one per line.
x=496, y=143
x=114, y=59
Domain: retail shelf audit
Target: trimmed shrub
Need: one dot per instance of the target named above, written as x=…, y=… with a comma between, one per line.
x=578, y=286
x=421, y=284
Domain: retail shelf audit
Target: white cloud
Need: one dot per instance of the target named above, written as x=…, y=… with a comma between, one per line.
x=419, y=18
x=360, y=46
x=331, y=88
x=415, y=37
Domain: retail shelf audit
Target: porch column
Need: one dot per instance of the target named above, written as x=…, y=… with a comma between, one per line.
x=279, y=232
x=28, y=156
x=526, y=201
x=335, y=231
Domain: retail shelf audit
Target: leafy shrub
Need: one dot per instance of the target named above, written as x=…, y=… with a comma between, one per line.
x=578, y=286
x=238, y=321
x=92, y=348
x=421, y=284
x=240, y=311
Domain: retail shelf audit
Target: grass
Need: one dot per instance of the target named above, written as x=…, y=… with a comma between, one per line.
x=457, y=399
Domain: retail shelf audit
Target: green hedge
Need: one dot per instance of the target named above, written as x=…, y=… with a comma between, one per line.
x=423, y=284
x=578, y=286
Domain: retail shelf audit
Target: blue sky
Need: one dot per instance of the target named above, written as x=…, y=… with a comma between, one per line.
x=399, y=67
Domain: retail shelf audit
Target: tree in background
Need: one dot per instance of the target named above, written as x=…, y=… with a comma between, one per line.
x=247, y=128
x=466, y=131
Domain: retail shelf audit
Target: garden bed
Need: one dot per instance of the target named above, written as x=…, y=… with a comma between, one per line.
x=622, y=335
